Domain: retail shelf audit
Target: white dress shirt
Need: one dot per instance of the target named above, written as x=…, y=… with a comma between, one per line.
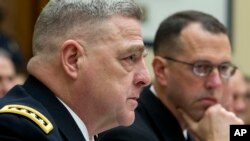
x=79, y=122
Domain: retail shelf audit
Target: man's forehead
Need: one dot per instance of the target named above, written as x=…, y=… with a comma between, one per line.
x=5, y=63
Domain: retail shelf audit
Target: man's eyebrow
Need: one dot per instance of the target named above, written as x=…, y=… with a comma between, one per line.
x=208, y=61
x=136, y=48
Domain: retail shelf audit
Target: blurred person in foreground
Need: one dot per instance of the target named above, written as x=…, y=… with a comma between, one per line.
x=85, y=76
x=239, y=91
x=7, y=73
x=246, y=117
x=192, y=67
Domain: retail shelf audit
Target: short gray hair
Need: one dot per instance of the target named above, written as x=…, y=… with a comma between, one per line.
x=59, y=16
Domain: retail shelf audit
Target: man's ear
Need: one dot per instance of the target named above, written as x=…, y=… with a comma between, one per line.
x=159, y=66
x=70, y=54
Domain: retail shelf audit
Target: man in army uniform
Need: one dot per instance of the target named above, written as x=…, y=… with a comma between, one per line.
x=85, y=76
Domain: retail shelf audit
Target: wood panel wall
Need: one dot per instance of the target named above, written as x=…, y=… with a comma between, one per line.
x=20, y=19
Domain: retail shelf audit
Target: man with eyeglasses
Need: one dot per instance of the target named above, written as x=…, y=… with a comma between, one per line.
x=192, y=67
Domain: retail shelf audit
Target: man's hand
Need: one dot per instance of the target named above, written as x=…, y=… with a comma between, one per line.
x=214, y=125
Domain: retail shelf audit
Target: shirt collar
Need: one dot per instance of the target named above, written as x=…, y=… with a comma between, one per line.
x=152, y=89
x=79, y=122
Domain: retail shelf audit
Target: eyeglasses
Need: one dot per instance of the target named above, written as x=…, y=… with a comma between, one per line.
x=204, y=68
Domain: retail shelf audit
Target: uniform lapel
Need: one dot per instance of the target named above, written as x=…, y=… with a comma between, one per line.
x=163, y=120
x=60, y=114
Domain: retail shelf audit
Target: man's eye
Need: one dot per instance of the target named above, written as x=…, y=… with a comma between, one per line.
x=225, y=67
x=132, y=57
x=202, y=67
x=11, y=78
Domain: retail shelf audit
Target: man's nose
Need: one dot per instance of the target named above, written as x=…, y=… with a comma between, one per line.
x=214, y=79
x=142, y=77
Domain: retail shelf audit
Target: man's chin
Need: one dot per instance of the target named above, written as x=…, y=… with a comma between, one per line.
x=128, y=119
x=197, y=116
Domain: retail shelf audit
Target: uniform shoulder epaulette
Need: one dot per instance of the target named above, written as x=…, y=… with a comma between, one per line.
x=30, y=113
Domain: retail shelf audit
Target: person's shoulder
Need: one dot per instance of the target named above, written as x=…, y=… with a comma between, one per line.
x=19, y=121
x=29, y=113
x=21, y=115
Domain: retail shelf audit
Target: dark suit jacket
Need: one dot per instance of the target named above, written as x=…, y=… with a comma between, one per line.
x=153, y=122
x=34, y=94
